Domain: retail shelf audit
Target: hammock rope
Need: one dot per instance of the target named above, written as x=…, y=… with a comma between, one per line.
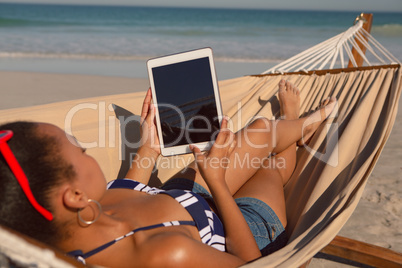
x=331, y=52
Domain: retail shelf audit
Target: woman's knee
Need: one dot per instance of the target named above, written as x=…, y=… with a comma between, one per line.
x=262, y=123
x=261, y=132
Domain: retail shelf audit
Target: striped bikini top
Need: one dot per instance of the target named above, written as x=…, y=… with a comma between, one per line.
x=207, y=222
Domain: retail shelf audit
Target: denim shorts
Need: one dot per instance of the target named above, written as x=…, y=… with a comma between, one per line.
x=265, y=225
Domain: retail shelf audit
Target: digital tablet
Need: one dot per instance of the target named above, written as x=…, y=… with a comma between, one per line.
x=186, y=96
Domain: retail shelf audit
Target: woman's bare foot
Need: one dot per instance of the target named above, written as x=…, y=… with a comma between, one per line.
x=289, y=100
x=314, y=120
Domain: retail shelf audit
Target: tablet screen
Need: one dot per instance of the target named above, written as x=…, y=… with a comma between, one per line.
x=186, y=102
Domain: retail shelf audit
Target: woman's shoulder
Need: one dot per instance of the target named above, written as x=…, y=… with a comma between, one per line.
x=168, y=248
x=164, y=249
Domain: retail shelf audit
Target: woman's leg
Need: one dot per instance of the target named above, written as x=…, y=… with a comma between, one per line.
x=267, y=183
x=289, y=100
x=258, y=140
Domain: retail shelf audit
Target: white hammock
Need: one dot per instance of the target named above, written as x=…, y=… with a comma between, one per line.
x=330, y=52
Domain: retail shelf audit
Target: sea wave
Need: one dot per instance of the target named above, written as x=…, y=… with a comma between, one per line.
x=19, y=22
x=8, y=22
x=387, y=30
x=70, y=56
x=23, y=55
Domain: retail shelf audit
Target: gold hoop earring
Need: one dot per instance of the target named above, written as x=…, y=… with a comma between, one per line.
x=96, y=218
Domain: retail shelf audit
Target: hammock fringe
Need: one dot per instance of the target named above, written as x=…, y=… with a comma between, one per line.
x=330, y=53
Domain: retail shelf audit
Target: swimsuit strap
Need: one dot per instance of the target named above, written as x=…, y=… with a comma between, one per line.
x=79, y=255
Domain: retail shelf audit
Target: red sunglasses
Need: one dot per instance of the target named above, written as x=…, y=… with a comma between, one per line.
x=19, y=174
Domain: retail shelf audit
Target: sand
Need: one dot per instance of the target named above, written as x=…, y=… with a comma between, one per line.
x=378, y=216
x=22, y=89
x=376, y=220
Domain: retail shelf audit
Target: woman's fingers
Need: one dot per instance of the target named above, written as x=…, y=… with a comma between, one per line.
x=225, y=138
x=148, y=109
x=146, y=105
x=222, y=135
x=198, y=155
x=232, y=146
x=151, y=114
x=224, y=123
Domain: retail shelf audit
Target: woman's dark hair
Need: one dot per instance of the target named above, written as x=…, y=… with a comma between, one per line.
x=38, y=154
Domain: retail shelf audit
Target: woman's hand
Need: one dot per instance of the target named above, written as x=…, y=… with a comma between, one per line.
x=212, y=165
x=149, y=135
x=149, y=149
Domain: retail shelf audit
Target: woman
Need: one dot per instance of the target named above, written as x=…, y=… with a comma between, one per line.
x=232, y=214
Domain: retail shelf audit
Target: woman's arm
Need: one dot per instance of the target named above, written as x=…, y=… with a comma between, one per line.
x=145, y=158
x=239, y=239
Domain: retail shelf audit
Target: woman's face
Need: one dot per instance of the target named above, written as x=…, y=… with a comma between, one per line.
x=89, y=176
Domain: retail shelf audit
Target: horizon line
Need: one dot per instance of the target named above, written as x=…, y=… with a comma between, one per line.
x=197, y=7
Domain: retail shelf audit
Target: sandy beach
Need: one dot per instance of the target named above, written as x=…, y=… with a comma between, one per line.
x=22, y=89
x=376, y=220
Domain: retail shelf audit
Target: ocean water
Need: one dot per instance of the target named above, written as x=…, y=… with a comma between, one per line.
x=102, y=39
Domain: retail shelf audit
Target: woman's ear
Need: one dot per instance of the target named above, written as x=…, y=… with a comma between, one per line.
x=74, y=198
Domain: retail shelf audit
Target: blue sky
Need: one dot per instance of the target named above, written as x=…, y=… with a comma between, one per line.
x=349, y=5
